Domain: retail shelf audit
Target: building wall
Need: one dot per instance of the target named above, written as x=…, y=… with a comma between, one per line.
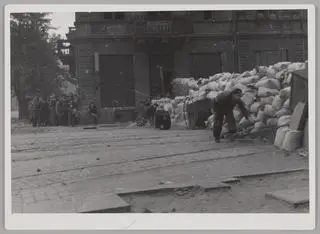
x=248, y=48
x=183, y=57
x=237, y=44
x=141, y=75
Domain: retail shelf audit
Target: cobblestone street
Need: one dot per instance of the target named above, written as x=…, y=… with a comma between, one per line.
x=52, y=166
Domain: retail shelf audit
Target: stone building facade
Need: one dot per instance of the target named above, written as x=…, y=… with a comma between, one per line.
x=118, y=56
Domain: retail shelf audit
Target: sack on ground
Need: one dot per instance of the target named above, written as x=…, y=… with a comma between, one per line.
x=257, y=127
x=280, y=75
x=245, y=123
x=267, y=100
x=283, y=111
x=261, y=116
x=212, y=95
x=288, y=79
x=286, y=104
x=213, y=86
x=266, y=92
x=271, y=73
x=280, y=135
x=269, y=111
x=240, y=86
x=284, y=121
x=254, y=108
x=285, y=93
x=248, y=98
x=249, y=80
x=272, y=122
x=269, y=83
x=277, y=103
x=281, y=66
x=292, y=140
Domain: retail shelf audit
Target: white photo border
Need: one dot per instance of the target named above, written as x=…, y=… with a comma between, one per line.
x=161, y=221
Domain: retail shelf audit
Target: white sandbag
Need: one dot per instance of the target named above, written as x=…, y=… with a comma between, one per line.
x=280, y=75
x=272, y=122
x=269, y=111
x=269, y=83
x=285, y=93
x=203, y=88
x=204, y=81
x=245, y=123
x=213, y=86
x=248, y=98
x=179, y=98
x=227, y=75
x=283, y=111
x=258, y=126
x=229, y=85
x=245, y=74
x=281, y=66
x=237, y=115
x=168, y=107
x=192, y=92
x=288, y=78
x=254, y=108
x=248, y=80
x=261, y=116
x=265, y=92
x=264, y=78
x=262, y=71
x=222, y=85
x=179, y=108
x=267, y=100
x=253, y=72
x=271, y=73
x=280, y=135
x=210, y=121
x=215, y=77
x=277, y=102
x=284, y=121
x=224, y=130
x=286, y=104
x=292, y=140
x=240, y=86
x=296, y=66
x=211, y=95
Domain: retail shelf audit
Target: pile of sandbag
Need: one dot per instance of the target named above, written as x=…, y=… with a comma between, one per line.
x=266, y=95
x=290, y=134
x=175, y=107
x=181, y=86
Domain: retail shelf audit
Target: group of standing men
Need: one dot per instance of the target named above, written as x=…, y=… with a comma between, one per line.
x=55, y=111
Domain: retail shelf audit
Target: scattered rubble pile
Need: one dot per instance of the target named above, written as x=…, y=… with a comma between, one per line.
x=266, y=94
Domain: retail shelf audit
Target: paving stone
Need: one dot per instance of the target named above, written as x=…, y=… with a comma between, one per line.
x=230, y=180
x=99, y=203
x=298, y=117
x=40, y=196
x=103, y=203
x=272, y=172
x=158, y=188
x=209, y=185
x=297, y=196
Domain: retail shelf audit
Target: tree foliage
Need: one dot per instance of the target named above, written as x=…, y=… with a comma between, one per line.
x=34, y=65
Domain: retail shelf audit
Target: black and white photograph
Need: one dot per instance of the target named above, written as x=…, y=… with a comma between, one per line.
x=160, y=111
